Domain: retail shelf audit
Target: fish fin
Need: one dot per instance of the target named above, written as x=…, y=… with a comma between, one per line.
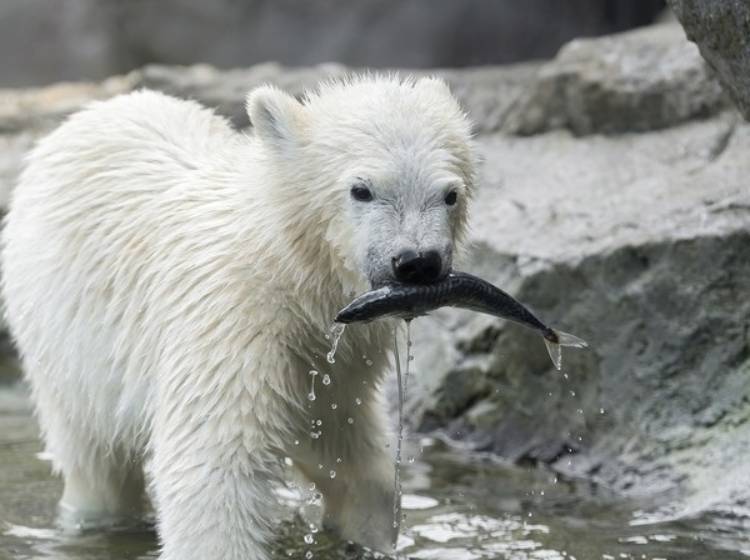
x=563, y=339
x=567, y=339
x=555, y=353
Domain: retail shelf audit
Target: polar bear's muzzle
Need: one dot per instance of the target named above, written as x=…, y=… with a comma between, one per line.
x=423, y=267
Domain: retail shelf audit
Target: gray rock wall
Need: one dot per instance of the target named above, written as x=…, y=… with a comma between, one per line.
x=621, y=214
x=721, y=28
x=91, y=39
x=636, y=81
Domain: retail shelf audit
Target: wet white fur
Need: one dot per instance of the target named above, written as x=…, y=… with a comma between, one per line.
x=169, y=283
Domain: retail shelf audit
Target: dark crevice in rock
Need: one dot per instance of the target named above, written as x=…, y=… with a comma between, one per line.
x=722, y=143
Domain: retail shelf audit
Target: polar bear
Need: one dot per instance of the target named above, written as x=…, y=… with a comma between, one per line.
x=170, y=282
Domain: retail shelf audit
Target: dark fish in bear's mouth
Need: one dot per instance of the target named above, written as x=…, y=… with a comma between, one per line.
x=458, y=289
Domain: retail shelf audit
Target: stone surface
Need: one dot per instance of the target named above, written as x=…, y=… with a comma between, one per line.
x=636, y=240
x=639, y=80
x=721, y=28
x=639, y=243
x=489, y=91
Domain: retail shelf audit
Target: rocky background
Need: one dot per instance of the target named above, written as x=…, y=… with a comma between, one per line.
x=93, y=39
x=615, y=200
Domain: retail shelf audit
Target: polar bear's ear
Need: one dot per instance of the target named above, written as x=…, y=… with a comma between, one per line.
x=278, y=117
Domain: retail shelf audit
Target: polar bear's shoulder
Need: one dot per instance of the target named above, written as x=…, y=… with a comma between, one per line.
x=147, y=119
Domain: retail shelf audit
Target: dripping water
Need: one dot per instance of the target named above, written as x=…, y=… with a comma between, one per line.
x=337, y=329
x=402, y=387
x=311, y=395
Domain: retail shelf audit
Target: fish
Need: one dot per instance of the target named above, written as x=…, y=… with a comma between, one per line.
x=457, y=289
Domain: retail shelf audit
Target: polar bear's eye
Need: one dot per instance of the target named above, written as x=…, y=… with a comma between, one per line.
x=361, y=193
x=451, y=198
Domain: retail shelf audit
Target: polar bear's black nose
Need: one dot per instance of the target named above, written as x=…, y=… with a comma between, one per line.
x=417, y=268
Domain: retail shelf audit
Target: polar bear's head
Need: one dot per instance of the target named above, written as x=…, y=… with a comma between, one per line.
x=379, y=169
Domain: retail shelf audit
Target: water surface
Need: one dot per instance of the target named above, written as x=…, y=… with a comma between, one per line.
x=458, y=507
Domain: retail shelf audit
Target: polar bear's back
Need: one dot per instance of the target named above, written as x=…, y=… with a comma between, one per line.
x=83, y=226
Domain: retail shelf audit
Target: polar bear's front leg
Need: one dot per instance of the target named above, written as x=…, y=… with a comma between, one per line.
x=214, y=465
x=359, y=498
x=213, y=491
x=361, y=506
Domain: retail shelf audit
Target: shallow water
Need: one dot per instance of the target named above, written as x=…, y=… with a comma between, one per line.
x=457, y=507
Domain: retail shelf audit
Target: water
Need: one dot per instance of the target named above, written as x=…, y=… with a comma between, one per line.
x=402, y=387
x=337, y=329
x=311, y=395
x=399, y=439
x=458, y=506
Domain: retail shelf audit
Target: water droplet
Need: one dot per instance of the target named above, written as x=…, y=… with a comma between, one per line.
x=318, y=422
x=296, y=442
x=308, y=555
x=368, y=362
x=410, y=460
x=350, y=420
x=339, y=460
x=332, y=473
x=601, y=411
x=337, y=330
x=358, y=401
x=311, y=395
x=326, y=379
x=572, y=393
x=334, y=406
x=320, y=467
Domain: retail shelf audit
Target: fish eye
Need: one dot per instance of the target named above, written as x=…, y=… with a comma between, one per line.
x=361, y=193
x=451, y=198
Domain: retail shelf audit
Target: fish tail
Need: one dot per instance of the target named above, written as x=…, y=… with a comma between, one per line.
x=555, y=353
x=567, y=339
x=554, y=349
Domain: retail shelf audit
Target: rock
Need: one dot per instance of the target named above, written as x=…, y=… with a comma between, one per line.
x=636, y=240
x=640, y=244
x=721, y=28
x=489, y=92
x=639, y=80
x=92, y=39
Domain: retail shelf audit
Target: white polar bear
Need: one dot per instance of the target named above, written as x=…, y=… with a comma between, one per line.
x=170, y=281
